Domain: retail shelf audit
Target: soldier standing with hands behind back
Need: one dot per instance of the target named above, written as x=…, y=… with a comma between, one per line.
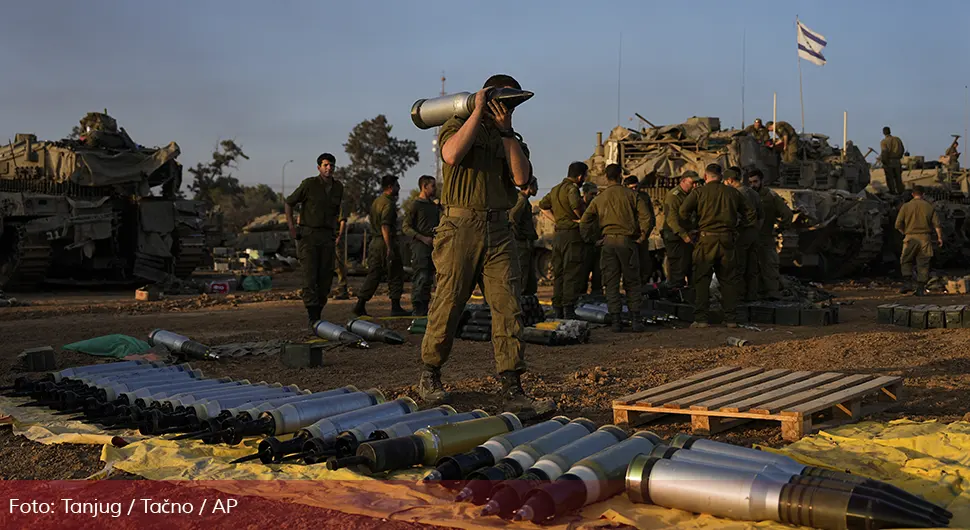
x=891, y=154
x=419, y=225
x=320, y=198
x=484, y=163
x=917, y=220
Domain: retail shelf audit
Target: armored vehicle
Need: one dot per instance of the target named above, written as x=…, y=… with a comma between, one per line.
x=839, y=226
x=95, y=209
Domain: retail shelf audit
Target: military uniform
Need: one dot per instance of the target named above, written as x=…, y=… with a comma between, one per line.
x=475, y=238
x=383, y=212
x=760, y=134
x=952, y=158
x=749, y=231
x=316, y=234
x=917, y=221
x=592, y=271
x=643, y=247
x=719, y=208
x=892, y=152
x=567, y=244
x=524, y=233
x=617, y=214
x=421, y=220
x=673, y=231
x=785, y=132
x=775, y=210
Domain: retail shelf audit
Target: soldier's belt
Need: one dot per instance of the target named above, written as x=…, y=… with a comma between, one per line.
x=570, y=229
x=468, y=213
x=716, y=234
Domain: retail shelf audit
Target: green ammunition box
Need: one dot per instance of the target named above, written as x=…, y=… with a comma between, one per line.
x=901, y=315
x=935, y=317
x=743, y=314
x=953, y=315
x=665, y=306
x=918, y=317
x=39, y=359
x=788, y=315
x=302, y=355
x=685, y=312
x=761, y=314
x=884, y=313
x=816, y=316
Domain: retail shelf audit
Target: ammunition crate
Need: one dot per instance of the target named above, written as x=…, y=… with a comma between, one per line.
x=918, y=317
x=788, y=316
x=302, y=355
x=647, y=304
x=665, y=306
x=953, y=315
x=760, y=314
x=901, y=316
x=884, y=313
x=39, y=359
x=816, y=316
x=715, y=317
x=936, y=317
x=743, y=314
x=684, y=312
x=834, y=310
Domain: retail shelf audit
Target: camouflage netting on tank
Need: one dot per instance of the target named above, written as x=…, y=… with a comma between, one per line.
x=96, y=167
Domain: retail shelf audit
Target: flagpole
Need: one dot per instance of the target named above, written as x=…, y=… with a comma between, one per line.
x=744, y=36
x=801, y=97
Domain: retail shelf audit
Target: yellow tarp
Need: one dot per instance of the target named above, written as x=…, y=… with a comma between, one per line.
x=40, y=425
x=929, y=458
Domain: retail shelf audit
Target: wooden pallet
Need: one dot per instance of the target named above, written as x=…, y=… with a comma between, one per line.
x=804, y=402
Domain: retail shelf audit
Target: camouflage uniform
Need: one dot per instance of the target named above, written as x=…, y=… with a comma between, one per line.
x=674, y=229
x=761, y=135
x=383, y=212
x=785, y=132
x=643, y=247
x=421, y=220
x=474, y=238
x=748, y=238
x=618, y=213
x=568, y=248
x=917, y=221
x=718, y=207
x=316, y=234
x=892, y=152
x=524, y=232
x=775, y=210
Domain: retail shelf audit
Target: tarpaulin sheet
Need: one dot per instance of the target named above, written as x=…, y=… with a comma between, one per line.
x=929, y=459
x=40, y=425
x=96, y=167
x=115, y=345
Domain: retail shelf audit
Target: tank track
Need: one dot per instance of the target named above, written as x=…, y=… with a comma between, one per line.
x=27, y=258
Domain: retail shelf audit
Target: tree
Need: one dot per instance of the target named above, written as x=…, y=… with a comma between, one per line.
x=251, y=202
x=373, y=153
x=213, y=178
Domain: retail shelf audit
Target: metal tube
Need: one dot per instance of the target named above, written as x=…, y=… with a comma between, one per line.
x=374, y=332
x=410, y=426
x=327, y=429
x=130, y=396
x=187, y=398
x=161, y=395
x=434, y=112
x=68, y=373
x=111, y=392
x=295, y=416
x=592, y=479
x=213, y=407
x=332, y=332
x=591, y=314
x=180, y=344
x=347, y=441
x=252, y=410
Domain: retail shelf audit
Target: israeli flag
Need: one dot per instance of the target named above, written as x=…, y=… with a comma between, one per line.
x=810, y=45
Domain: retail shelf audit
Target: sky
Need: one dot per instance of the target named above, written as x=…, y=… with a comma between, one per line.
x=290, y=79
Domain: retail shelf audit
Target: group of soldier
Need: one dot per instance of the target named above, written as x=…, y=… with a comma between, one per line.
x=483, y=233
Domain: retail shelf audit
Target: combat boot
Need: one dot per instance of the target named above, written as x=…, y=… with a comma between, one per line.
x=313, y=314
x=342, y=295
x=430, y=388
x=517, y=400
x=420, y=309
x=360, y=309
x=638, y=326
x=569, y=312
x=617, y=325
x=557, y=311
x=397, y=310
x=920, y=289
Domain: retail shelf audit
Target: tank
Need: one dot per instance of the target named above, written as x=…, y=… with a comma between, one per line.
x=841, y=225
x=95, y=209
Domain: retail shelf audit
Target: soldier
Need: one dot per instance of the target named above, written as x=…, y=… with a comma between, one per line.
x=340, y=262
x=419, y=225
x=917, y=220
x=484, y=162
x=676, y=232
x=643, y=242
x=383, y=253
x=592, y=272
x=718, y=208
x=786, y=140
x=953, y=155
x=615, y=218
x=319, y=199
x=524, y=231
x=758, y=131
x=748, y=232
x=564, y=206
x=775, y=210
x=892, y=152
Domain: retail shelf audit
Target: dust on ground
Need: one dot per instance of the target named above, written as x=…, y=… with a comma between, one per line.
x=583, y=379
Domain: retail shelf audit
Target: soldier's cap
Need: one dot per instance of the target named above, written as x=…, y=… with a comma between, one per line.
x=692, y=174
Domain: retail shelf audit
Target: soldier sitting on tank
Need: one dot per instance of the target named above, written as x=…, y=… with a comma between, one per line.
x=786, y=140
x=100, y=130
x=758, y=131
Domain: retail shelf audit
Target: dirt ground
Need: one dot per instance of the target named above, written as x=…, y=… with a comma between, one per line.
x=582, y=379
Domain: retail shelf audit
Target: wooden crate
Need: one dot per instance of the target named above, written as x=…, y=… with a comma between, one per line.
x=804, y=402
